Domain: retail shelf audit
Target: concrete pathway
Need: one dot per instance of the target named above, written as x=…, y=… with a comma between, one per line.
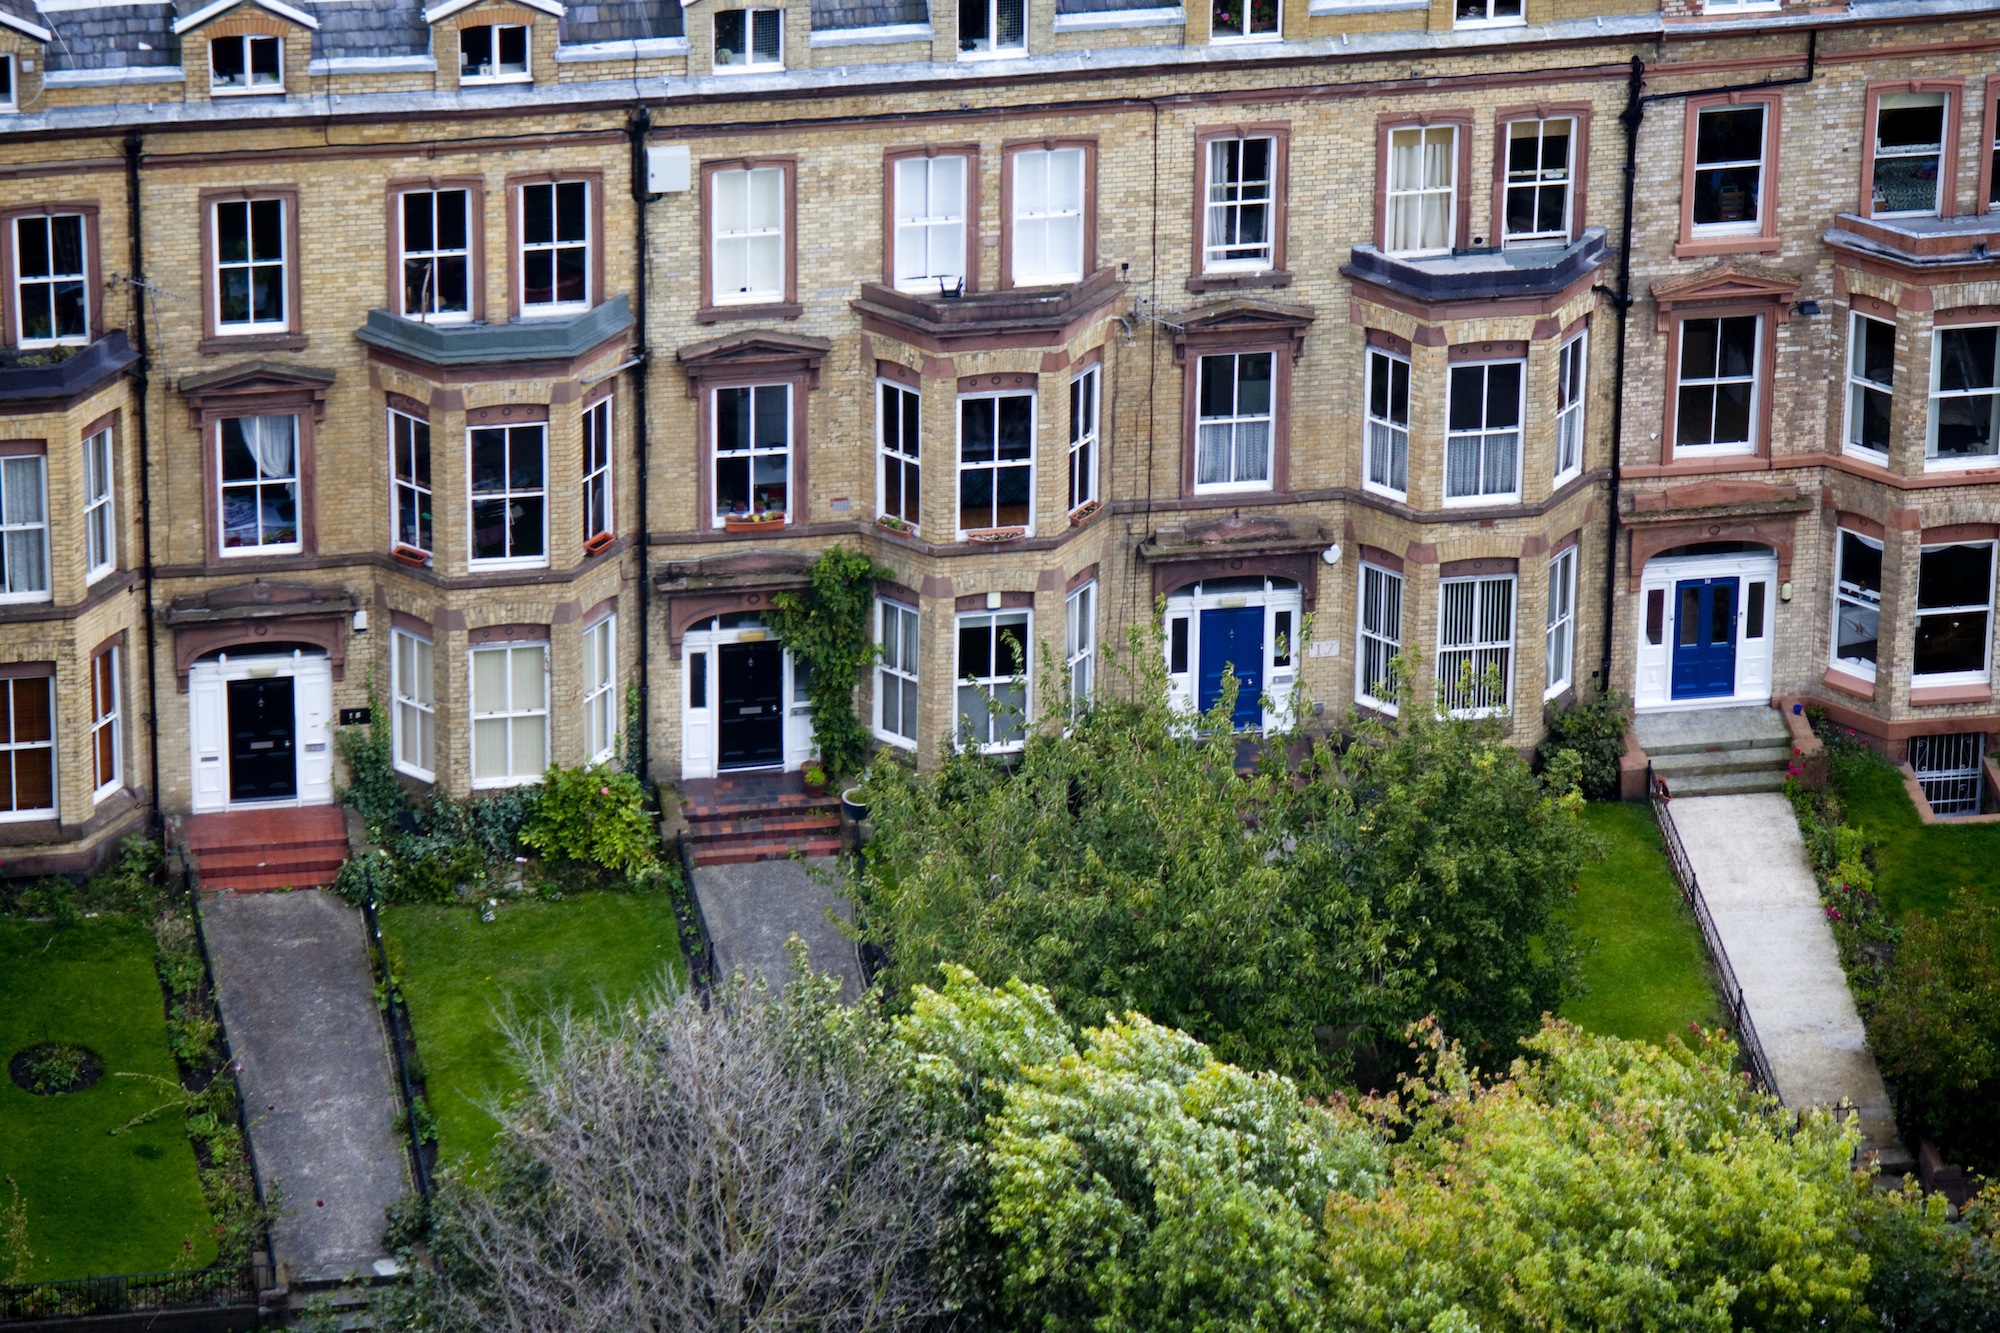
x=753, y=908
x=298, y=998
x=1748, y=856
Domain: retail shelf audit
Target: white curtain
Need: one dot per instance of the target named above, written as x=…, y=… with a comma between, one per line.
x=271, y=442
x=24, y=512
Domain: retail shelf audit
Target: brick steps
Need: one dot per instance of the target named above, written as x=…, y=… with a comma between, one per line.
x=256, y=851
x=761, y=817
x=737, y=853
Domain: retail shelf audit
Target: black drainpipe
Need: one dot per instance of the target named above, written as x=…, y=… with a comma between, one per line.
x=141, y=372
x=1621, y=300
x=640, y=122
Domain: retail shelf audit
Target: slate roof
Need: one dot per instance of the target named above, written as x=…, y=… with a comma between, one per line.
x=366, y=28
x=591, y=21
x=828, y=15
x=113, y=36
x=23, y=10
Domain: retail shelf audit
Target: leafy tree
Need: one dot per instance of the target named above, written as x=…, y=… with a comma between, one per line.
x=1929, y=1274
x=827, y=628
x=1595, y=733
x=758, y=1165
x=1606, y=1184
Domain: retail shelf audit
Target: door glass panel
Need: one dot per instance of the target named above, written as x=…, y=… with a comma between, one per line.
x=1656, y=616
x=1753, y=606
x=1722, y=615
x=698, y=680
x=1689, y=619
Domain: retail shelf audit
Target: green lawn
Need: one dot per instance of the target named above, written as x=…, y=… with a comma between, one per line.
x=459, y=974
x=1918, y=865
x=95, y=1203
x=1648, y=974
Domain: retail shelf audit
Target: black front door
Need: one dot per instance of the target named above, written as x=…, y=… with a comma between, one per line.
x=262, y=765
x=750, y=704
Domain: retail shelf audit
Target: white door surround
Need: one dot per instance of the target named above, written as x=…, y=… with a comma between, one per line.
x=700, y=691
x=1656, y=631
x=208, y=725
x=1283, y=606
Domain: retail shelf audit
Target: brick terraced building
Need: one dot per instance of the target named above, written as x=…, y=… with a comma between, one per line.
x=512, y=355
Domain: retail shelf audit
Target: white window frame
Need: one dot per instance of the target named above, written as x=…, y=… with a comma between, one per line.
x=1559, y=642
x=554, y=247
x=899, y=412
x=496, y=73
x=1054, y=217
x=10, y=748
x=600, y=689
x=737, y=229
x=408, y=434
x=107, y=716
x=250, y=87
x=413, y=704
x=1759, y=349
x=1248, y=33
x=1235, y=423
x=1025, y=618
x=1918, y=612
x=1378, y=633
x=897, y=627
x=1385, y=460
x=52, y=280
x=600, y=514
x=1494, y=15
x=24, y=529
x=1572, y=390
x=1849, y=594
x=257, y=485
x=1080, y=644
x=1860, y=387
x=1538, y=180
x=10, y=82
x=930, y=238
x=432, y=256
x=507, y=494
x=252, y=264
x=509, y=714
x=1939, y=396
x=100, y=506
x=1479, y=650
x=1412, y=196
x=750, y=60
x=1486, y=438
x=1231, y=197
x=1086, y=410
x=992, y=50
x=996, y=464
x=1935, y=152
x=1754, y=225
x=752, y=452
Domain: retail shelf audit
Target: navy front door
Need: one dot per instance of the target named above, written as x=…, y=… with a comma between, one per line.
x=1233, y=639
x=1704, y=638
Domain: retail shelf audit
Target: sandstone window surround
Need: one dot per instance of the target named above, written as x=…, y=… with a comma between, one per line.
x=1243, y=327
x=250, y=280
x=899, y=433
x=600, y=688
x=1857, y=602
x=931, y=218
x=1909, y=148
x=437, y=258
x=509, y=708
x=1485, y=407
x=1085, y=434
x=1729, y=175
x=1235, y=416
x=24, y=522
x=1572, y=381
x=495, y=53
x=994, y=698
x=600, y=514
x=257, y=391
x=1871, y=387
x=507, y=460
x=992, y=29
x=1720, y=357
x=1386, y=447
x=49, y=256
x=1421, y=164
x=27, y=741
x=1476, y=643
x=1989, y=148
x=556, y=231
x=1048, y=209
x=1379, y=631
x=997, y=430
x=745, y=361
x=107, y=722
x=896, y=626
x=246, y=63
x=749, y=40
x=1559, y=642
x=100, y=506
x=751, y=454
x=1541, y=173
x=749, y=266
x=413, y=699
x=260, y=483
x=1242, y=180
x=412, y=534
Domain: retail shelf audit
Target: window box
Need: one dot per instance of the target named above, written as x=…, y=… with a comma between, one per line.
x=599, y=544
x=890, y=523
x=753, y=522
x=1079, y=515
x=993, y=536
x=411, y=556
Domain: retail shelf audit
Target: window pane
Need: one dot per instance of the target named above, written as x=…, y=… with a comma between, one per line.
x=1954, y=576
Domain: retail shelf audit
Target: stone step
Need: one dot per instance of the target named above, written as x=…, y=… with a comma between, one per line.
x=1750, y=760
x=764, y=827
x=1726, y=784
x=784, y=803
x=1700, y=730
x=257, y=858
x=741, y=852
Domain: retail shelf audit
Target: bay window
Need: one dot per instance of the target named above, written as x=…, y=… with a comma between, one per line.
x=410, y=482
x=1539, y=170
x=51, y=282
x=1857, y=603
x=899, y=445
x=1715, y=396
x=1954, y=614
x=1909, y=154
x=598, y=519
x=896, y=673
x=1871, y=383
x=993, y=678
x=600, y=690
x=1047, y=222
x=1380, y=636
x=1560, y=641
x=1233, y=422
x=510, y=714
x=107, y=738
x=259, y=485
x=1572, y=362
x=1388, y=453
x=996, y=462
x=1422, y=190
x=1482, y=445
x=753, y=453
x=1475, y=664
x=748, y=235
x=27, y=747
x=1083, y=438
x=1238, y=217
x=509, y=468
x=1080, y=644
x=412, y=704
x=100, y=532
x=1965, y=395
x=930, y=210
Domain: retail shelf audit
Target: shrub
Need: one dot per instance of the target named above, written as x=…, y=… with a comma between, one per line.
x=595, y=816
x=372, y=788
x=828, y=627
x=1595, y=733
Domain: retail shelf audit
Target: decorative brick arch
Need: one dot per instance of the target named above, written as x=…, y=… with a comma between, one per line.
x=1775, y=531
x=192, y=642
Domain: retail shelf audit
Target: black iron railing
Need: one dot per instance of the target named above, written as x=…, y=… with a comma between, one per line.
x=402, y=1045
x=116, y=1293
x=1732, y=989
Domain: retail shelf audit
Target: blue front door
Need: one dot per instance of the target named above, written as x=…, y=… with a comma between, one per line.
x=1233, y=639
x=1704, y=638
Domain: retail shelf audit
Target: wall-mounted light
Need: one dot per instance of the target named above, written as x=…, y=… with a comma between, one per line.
x=1785, y=591
x=1807, y=308
x=361, y=621
x=1331, y=554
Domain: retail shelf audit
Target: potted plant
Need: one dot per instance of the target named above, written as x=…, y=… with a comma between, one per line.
x=995, y=535
x=890, y=523
x=1084, y=511
x=753, y=522
x=814, y=778
x=411, y=556
x=853, y=804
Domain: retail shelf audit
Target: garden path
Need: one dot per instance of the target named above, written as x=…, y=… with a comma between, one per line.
x=1752, y=866
x=298, y=1001
x=752, y=908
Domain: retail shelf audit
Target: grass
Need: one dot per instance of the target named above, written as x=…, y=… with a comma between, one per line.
x=459, y=975
x=1647, y=975
x=95, y=1202
x=1917, y=865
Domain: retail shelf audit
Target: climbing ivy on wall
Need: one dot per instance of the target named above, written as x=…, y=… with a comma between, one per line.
x=826, y=625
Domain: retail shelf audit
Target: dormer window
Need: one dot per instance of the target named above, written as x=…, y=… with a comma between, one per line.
x=493, y=53
x=246, y=64
x=992, y=28
x=7, y=101
x=1243, y=20
x=749, y=38
x=1488, y=13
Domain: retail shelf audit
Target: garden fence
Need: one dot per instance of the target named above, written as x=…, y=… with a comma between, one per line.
x=116, y=1293
x=1732, y=990
x=402, y=1044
